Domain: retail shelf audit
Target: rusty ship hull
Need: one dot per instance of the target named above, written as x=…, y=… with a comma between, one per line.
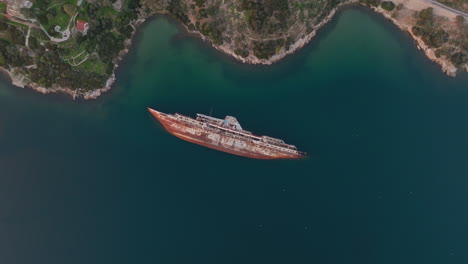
x=225, y=139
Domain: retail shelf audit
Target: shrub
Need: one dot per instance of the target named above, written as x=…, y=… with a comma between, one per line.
x=374, y=3
x=388, y=5
x=459, y=58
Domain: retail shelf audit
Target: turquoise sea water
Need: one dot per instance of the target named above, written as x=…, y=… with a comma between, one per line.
x=386, y=180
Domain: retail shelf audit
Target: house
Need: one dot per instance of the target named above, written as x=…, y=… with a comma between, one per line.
x=82, y=26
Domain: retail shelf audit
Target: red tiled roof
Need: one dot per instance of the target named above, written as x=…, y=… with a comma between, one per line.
x=81, y=25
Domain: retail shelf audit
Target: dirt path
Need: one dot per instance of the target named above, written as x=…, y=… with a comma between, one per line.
x=458, y=12
x=27, y=37
x=439, y=9
x=20, y=21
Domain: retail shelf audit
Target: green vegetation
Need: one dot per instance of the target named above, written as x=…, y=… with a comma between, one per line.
x=212, y=31
x=199, y=3
x=82, y=61
x=259, y=14
x=370, y=3
x=16, y=24
x=93, y=65
x=457, y=4
x=253, y=29
x=250, y=28
x=454, y=46
x=12, y=55
x=459, y=58
x=16, y=35
x=179, y=8
x=432, y=35
x=388, y=5
x=266, y=49
x=3, y=7
x=3, y=23
x=56, y=16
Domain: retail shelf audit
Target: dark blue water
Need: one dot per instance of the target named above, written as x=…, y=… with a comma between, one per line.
x=386, y=180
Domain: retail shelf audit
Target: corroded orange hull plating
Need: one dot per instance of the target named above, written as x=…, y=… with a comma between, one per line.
x=228, y=140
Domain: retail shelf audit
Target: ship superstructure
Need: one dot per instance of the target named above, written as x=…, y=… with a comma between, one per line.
x=226, y=135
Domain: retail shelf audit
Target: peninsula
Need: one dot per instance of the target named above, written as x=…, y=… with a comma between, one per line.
x=74, y=46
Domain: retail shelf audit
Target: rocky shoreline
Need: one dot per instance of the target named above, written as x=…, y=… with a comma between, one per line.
x=77, y=93
x=282, y=53
x=74, y=93
x=446, y=65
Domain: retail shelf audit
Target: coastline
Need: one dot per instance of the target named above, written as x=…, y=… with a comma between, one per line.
x=78, y=93
x=445, y=64
x=74, y=93
x=299, y=44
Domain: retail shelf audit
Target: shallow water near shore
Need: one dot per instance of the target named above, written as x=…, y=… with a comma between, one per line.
x=385, y=182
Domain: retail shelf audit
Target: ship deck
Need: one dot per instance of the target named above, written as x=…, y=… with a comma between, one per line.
x=223, y=139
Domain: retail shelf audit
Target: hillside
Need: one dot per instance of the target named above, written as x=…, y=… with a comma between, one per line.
x=252, y=30
x=74, y=46
x=42, y=46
